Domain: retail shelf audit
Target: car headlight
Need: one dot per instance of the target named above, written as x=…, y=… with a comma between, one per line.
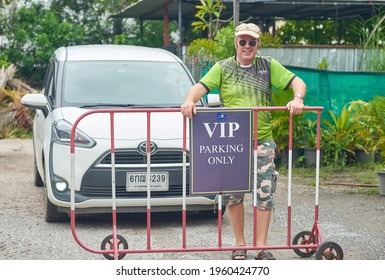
x=62, y=133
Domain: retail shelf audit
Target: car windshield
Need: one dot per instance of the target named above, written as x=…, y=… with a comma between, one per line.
x=126, y=83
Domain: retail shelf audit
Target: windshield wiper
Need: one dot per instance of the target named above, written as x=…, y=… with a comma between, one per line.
x=108, y=105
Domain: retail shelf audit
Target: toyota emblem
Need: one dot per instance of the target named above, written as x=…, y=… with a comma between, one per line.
x=142, y=148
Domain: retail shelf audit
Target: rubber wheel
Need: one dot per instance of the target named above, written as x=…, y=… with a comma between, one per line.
x=108, y=244
x=51, y=213
x=38, y=181
x=329, y=251
x=302, y=238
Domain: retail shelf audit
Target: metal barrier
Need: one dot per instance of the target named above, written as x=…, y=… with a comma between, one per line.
x=308, y=242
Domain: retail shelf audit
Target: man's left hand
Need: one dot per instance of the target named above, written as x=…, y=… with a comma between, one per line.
x=295, y=106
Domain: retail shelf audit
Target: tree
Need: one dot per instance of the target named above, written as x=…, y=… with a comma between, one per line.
x=208, y=15
x=371, y=34
x=32, y=34
x=33, y=31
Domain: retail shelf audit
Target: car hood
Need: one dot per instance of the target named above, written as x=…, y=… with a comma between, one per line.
x=128, y=125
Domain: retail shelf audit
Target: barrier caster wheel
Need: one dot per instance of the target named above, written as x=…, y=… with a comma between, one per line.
x=108, y=244
x=302, y=238
x=329, y=251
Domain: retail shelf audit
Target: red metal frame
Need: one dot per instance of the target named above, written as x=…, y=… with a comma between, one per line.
x=115, y=251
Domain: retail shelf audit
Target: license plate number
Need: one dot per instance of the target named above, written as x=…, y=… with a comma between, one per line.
x=137, y=181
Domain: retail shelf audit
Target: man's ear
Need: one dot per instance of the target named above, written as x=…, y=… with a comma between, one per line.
x=235, y=43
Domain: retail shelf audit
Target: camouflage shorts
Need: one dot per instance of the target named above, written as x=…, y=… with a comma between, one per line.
x=266, y=178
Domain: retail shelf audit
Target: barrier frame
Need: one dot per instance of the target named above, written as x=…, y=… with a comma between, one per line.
x=312, y=241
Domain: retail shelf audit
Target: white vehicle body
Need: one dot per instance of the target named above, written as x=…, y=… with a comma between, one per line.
x=93, y=77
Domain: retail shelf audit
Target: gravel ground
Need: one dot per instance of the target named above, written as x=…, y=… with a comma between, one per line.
x=354, y=221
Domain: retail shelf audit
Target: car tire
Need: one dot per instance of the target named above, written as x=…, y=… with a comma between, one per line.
x=36, y=176
x=51, y=213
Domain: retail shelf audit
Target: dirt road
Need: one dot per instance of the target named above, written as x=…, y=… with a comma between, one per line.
x=354, y=221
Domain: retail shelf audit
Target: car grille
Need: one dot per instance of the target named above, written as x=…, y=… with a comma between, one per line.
x=134, y=157
x=97, y=181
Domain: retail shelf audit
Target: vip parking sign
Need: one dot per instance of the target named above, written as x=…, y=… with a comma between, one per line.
x=221, y=151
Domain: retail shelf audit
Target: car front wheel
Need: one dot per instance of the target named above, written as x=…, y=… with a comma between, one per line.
x=51, y=213
x=36, y=175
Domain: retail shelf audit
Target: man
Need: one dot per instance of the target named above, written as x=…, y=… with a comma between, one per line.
x=246, y=80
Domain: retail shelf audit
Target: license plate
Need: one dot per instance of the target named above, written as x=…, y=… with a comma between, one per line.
x=137, y=181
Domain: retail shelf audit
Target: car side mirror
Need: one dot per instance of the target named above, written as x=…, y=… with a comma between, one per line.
x=213, y=100
x=35, y=101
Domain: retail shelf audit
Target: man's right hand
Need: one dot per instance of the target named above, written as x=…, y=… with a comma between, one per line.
x=188, y=109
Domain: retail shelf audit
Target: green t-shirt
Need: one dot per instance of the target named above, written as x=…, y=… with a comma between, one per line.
x=249, y=86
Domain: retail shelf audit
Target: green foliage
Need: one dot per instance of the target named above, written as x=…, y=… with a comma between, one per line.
x=372, y=37
x=208, y=15
x=322, y=64
x=207, y=51
x=320, y=32
x=33, y=33
x=4, y=3
x=358, y=126
x=280, y=121
x=204, y=50
x=375, y=61
x=15, y=119
x=370, y=117
x=149, y=36
x=4, y=61
x=224, y=40
x=269, y=40
x=309, y=131
x=121, y=39
x=338, y=141
x=371, y=31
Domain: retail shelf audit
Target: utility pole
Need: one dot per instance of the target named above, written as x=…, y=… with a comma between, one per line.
x=236, y=12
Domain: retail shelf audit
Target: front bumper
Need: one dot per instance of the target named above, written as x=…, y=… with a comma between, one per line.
x=93, y=184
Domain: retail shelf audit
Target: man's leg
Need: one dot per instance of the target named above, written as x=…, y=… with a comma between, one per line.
x=262, y=226
x=265, y=188
x=236, y=214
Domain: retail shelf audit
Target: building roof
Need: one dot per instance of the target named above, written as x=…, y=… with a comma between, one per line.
x=258, y=9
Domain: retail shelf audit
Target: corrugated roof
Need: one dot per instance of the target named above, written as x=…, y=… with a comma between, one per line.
x=258, y=9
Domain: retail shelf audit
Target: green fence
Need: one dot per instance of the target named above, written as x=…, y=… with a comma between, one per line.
x=332, y=89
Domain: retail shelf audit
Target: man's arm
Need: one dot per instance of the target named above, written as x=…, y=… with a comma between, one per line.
x=188, y=108
x=299, y=88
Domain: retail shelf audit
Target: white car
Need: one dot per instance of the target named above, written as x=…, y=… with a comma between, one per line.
x=93, y=77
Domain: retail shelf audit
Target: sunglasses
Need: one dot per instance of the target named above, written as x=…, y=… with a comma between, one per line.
x=252, y=43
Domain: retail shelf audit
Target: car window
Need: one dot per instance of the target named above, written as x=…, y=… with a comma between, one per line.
x=125, y=82
x=48, y=84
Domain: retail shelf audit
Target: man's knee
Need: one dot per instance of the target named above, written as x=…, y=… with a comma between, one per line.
x=233, y=199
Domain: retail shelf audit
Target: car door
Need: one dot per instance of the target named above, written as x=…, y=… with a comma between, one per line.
x=39, y=125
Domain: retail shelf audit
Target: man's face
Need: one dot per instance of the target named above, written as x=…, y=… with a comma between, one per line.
x=247, y=47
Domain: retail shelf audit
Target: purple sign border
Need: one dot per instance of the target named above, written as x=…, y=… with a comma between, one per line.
x=218, y=179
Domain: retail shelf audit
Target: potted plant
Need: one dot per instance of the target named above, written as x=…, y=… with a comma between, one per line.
x=310, y=142
x=370, y=116
x=280, y=122
x=338, y=141
x=366, y=146
x=381, y=181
